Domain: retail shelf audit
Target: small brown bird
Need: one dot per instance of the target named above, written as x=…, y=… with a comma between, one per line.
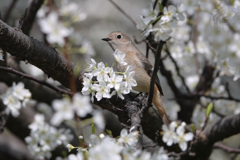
x=142, y=67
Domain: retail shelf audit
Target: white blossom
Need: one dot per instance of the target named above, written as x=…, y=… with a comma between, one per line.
x=235, y=45
x=115, y=81
x=106, y=149
x=20, y=92
x=64, y=111
x=168, y=13
x=91, y=65
x=169, y=135
x=101, y=72
x=103, y=82
x=120, y=57
x=55, y=30
x=81, y=104
x=160, y=155
x=44, y=138
x=78, y=156
x=15, y=98
x=99, y=120
x=72, y=10
x=129, y=77
x=102, y=90
x=129, y=139
x=87, y=84
x=38, y=122
x=183, y=137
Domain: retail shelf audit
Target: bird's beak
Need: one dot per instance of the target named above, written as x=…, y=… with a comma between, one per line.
x=106, y=39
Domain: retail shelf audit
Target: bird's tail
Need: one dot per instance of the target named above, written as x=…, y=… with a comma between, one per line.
x=157, y=101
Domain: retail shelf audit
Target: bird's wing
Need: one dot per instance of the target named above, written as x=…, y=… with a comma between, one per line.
x=149, y=69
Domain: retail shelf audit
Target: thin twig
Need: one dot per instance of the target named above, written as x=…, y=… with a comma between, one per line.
x=57, y=89
x=155, y=70
x=228, y=91
x=123, y=12
x=226, y=148
x=155, y=4
x=196, y=138
x=195, y=42
x=9, y=10
x=211, y=97
x=147, y=50
x=178, y=70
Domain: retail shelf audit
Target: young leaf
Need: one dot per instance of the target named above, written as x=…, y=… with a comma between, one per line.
x=209, y=109
x=109, y=132
x=160, y=6
x=93, y=129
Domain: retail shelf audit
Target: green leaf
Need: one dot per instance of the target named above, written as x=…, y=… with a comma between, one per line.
x=193, y=128
x=93, y=129
x=209, y=109
x=109, y=132
x=160, y=6
x=77, y=69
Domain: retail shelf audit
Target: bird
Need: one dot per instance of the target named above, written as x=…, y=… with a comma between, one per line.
x=142, y=67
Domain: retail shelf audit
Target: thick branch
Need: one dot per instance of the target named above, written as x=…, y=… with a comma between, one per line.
x=134, y=113
x=222, y=129
x=36, y=53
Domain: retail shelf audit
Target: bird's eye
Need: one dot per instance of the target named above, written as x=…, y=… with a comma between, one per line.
x=119, y=36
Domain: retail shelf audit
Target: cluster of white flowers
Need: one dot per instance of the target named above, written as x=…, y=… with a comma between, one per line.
x=66, y=108
x=165, y=22
x=123, y=148
x=102, y=82
x=55, y=31
x=15, y=98
x=57, y=25
x=44, y=138
x=176, y=134
x=128, y=139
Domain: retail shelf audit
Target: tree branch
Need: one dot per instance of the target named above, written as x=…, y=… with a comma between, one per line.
x=226, y=148
x=36, y=53
x=155, y=70
x=178, y=70
x=31, y=12
x=134, y=113
x=223, y=128
x=57, y=89
x=218, y=131
x=9, y=10
x=123, y=12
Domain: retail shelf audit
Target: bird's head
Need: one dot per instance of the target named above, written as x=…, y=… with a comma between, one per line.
x=118, y=40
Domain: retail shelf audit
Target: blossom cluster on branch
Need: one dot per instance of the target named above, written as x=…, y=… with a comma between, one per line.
x=44, y=138
x=103, y=82
x=15, y=98
x=122, y=148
